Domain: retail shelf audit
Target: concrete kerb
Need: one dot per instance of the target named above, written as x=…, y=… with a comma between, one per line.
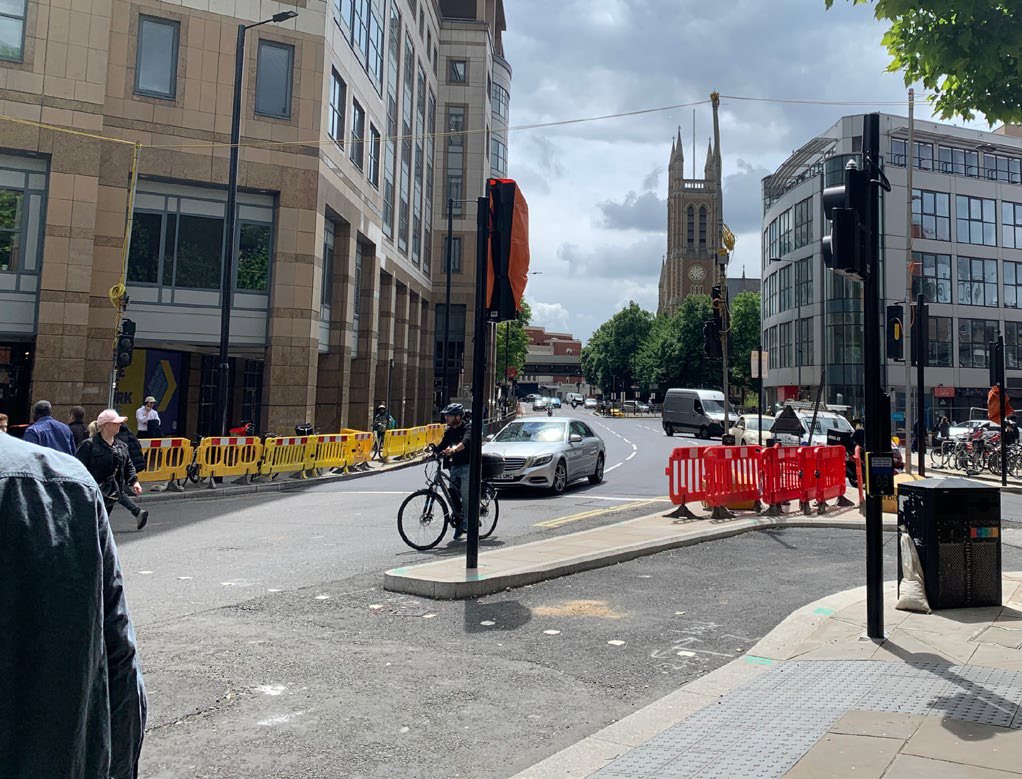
x=430, y=580
x=284, y=485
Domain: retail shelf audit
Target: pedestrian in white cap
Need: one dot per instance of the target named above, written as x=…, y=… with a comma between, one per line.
x=107, y=459
x=148, y=419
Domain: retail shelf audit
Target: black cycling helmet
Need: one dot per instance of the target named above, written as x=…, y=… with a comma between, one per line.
x=454, y=409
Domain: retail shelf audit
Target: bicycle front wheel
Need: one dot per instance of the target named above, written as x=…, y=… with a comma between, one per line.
x=422, y=519
x=489, y=510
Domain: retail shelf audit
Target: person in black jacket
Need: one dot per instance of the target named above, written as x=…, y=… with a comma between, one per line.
x=455, y=446
x=76, y=421
x=126, y=437
x=108, y=460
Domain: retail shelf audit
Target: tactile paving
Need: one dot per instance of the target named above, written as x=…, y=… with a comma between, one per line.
x=764, y=727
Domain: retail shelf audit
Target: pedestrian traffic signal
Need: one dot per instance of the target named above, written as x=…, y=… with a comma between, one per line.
x=718, y=307
x=711, y=340
x=895, y=333
x=125, y=343
x=846, y=249
x=997, y=362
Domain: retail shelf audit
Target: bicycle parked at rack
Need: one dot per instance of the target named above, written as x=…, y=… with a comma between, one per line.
x=425, y=515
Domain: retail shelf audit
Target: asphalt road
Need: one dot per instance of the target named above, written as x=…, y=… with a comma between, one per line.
x=271, y=650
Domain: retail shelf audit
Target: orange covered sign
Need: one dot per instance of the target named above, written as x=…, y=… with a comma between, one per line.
x=994, y=405
x=508, y=267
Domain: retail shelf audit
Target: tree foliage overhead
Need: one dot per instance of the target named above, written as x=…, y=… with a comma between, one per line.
x=512, y=344
x=609, y=356
x=969, y=52
x=745, y=335
x=672, y=355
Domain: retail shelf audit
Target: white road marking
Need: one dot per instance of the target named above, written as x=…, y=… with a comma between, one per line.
x=629, y=457
x=373, y=492
x=624, y=500
x=551, y=632
x=322, y=597
x=608, y=470
x=616, y=642
x=271, y=689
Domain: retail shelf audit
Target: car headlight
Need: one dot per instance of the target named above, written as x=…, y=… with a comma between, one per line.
x=541, y=460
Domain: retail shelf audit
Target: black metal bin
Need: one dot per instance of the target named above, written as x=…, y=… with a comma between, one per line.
x=956, y=527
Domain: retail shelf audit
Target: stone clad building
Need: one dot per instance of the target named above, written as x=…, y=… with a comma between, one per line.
x=694, y=214
x=336, y=223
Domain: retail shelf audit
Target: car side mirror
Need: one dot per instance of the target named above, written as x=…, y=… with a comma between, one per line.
x=488, y=438
x=575, y=438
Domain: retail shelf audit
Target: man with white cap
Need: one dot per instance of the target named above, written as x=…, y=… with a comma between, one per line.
x=107, y=459
x=148, y=419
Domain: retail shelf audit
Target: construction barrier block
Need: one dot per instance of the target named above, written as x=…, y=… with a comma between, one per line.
x=781, y=470
x=166, y=459
x=733, y=477
x=362, y=449
x=288, y=454
x=395, y=444
x=228, y=456
x=330, y=451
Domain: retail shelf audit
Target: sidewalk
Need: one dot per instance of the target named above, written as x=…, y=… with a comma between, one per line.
x=939, y=698
x=985, y=477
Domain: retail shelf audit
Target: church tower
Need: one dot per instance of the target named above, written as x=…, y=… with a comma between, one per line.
x=693, y=226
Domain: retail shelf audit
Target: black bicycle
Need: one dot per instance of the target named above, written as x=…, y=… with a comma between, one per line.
x=425, y=515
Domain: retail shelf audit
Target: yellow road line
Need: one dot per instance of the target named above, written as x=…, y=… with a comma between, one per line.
x=560, y=521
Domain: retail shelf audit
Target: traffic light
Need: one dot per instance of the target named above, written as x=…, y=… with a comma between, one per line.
x=997, y=363
x=895, y=333
x=846, y=249
x=125, y=343
x=718, y=308
x=711, y=340
x=920, y=333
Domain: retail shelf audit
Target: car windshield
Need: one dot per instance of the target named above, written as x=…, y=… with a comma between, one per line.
x=716, y=407
x=823, y=424
x=543, y=432
x=752, y=423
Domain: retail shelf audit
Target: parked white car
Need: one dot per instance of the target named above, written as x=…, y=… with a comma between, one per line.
x=747, y=433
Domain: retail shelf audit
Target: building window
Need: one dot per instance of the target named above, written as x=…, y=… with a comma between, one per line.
x=427, y=238
x=784, y=232
x=773, y=241
x=932, y=277
x=974, y=337
x=771, y=295
x=455, y=156
x=374, y=156
x=12, y=30
x=784, y=291
x=457, y=71
x=393, y=82
x=11, y=220
x=498, y=158
x=1012, y=284
x=374, y=59
x=253, y=269
x=941, y=345
x=804, y=281
x=702, y=227
x=455, y=253
x=326, y=293
x=976, y=220
x=274, y=64
x=691, y=227
x=501, y=102
x=1012, y=344
x=1011, y=225
x=977, y=281
x=923, y=153
x=356, y=302
x=784, y=345
x=338, y=101
x=803, y=223
x=960, y=162
x=156, y=58
x=358, y=134
x=803, y=342
x=420, y=164
x=997, y=167
x=404, y=215
x=931, y=215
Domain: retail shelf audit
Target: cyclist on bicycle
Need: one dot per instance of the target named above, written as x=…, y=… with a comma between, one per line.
x=382, y=422
x=454, y=446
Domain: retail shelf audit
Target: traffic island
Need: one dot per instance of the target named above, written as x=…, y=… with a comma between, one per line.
x=518, y=566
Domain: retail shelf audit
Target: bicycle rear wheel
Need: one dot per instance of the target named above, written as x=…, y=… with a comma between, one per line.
x=489, y=510
x=422, y=519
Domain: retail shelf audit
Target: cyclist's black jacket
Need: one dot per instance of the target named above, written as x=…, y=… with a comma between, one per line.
x=454, y=436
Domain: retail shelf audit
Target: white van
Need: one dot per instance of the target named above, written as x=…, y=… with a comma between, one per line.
x=697, y=411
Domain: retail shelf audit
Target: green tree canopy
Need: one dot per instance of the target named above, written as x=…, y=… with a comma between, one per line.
x=609, y=355
x=969, y=52
x=672, y=355
x=512, y=344
x=745, y=336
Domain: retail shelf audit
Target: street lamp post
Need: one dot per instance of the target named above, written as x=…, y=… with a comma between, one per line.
x=227, y=281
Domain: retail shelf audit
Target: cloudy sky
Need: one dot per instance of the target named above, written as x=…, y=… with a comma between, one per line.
x=597, y=191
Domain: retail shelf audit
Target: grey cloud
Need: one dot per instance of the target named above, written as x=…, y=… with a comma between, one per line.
x=637, y=262
x=743, y=203
x=646, y=212
x=652, y=179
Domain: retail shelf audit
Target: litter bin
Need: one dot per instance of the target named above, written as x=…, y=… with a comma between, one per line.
x=956, y=527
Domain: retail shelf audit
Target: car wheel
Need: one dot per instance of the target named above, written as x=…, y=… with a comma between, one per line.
x=669, y=429
x=560, y=478
x=703, y=433
x=597, y=476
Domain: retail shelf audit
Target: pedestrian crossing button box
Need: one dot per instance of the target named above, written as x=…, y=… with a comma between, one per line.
x=956, y=527
x=879, y=474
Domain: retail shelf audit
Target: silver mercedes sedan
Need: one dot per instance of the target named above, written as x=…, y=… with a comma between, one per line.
x=549, y=453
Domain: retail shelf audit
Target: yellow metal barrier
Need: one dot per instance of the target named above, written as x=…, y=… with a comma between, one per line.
x=330, y=451
x=436, y=434
x=362, y=449
x=229, y=456
x=289, y=454
x=416, y=442
x=166, y=459
x=395, y=444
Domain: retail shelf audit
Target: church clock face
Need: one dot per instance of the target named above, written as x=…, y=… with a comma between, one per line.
x=696, y=273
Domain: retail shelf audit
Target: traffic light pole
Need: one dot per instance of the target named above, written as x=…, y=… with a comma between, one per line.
x=475, y=467
x=921, y=341
x=1002, y=387
x=726, y=320
x=875, y=406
